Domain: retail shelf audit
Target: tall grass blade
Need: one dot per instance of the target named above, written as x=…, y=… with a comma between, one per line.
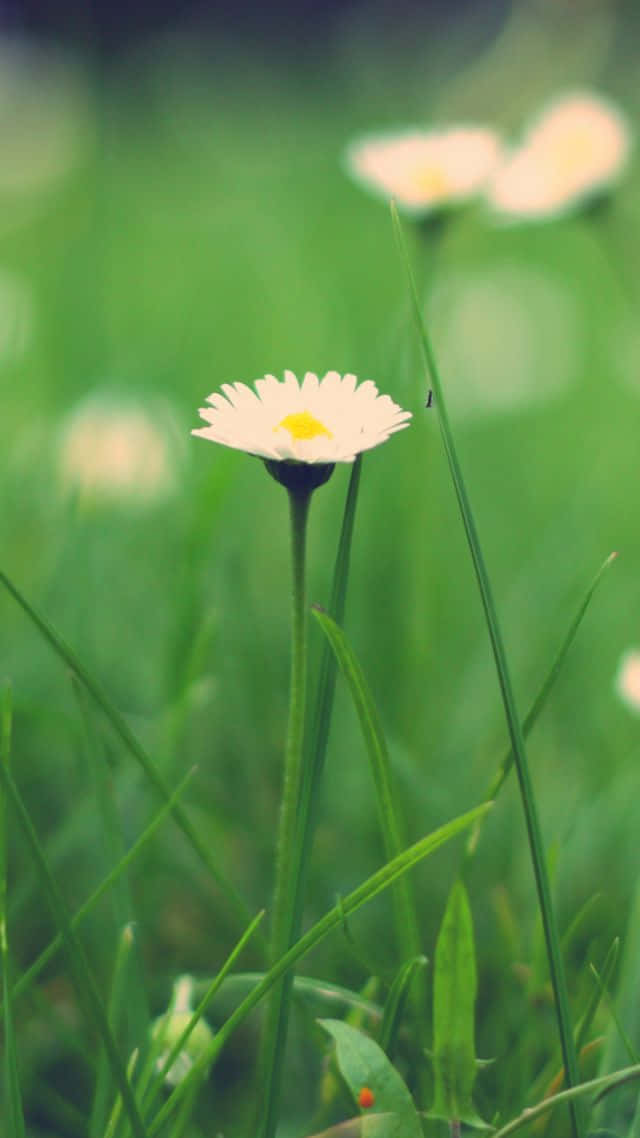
x=12, y=1095
x=130, y=741
x=552, y=939
x=407, y=931
x=86, y=986
x=506, y=765
x=26, y=979
x=603, y=1083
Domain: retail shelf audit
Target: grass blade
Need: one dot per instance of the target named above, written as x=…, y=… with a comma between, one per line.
x=407, y=932
x=601, y=1084
x=13, y=1097
x=505, y=766
x=552, y=939
x=130, y=741
x=370, y=888
x=27, y=978
x=84, y=980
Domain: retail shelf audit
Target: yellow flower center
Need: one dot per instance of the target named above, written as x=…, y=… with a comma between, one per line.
x=432, y=181
x=302, y=425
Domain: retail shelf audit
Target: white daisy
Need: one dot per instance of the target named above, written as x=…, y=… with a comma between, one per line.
x=426, y=170
x=575, y=148
x=627, y=681
x=317, y=421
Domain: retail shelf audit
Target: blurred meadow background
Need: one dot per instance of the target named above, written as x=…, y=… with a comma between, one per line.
x=175, y=213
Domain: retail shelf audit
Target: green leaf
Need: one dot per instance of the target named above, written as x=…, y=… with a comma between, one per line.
x=364, y=1064
x=396, y=1001
x=454, y=997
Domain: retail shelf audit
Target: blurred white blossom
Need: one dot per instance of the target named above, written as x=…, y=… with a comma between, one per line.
x=168, y=1029
x=119, y=451
x=578, y=146
x=487, y=329
x=627, y=681
x=425, y=170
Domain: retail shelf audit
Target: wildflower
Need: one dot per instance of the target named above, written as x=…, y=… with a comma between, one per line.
x=627, y=681
x=296, y=426
x=426, y=170
x=576, y=148
x=116, y=451
x=168, y=1029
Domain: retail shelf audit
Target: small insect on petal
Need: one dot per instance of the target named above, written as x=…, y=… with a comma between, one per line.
x=366, y=1097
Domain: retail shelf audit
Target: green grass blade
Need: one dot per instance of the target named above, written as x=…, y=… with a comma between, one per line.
x=622, y=1034
x=206, y=999
x=12, y=1095
x=26, y=979
x=114, y=1117
x=85, y=983
x=584, y=1027
x=506, y=765
x=552, y=938
x=396, y=1002
x=407, y=931
x=601, y=1084
x=370, y=888
x=305, y=987
x=133, y=997
x=104, y=1083
x=130, y=741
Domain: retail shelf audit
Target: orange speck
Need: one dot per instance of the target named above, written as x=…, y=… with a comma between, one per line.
x=366, y=1097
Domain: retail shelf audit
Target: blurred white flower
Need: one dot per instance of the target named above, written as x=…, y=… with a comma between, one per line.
x=317, y=421
x=426, y=170
x=578, y=146
x=168, y=1029
x=118, y=451
x=487, y=325
x=627, y=681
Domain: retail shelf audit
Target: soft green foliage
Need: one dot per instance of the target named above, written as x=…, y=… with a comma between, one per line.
x=454, y=997
x=203, y=230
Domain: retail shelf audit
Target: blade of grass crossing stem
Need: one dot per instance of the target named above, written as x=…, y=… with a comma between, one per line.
x=104, y=1083
x=407, y=932
x=369, y=889
x=505, y=766
x=12, y=1095
x=85, y=983
x=133, y=995
x=132, y=744
x=34, y=969
x=556, y=967
x=213, y=987
x=602, y=1083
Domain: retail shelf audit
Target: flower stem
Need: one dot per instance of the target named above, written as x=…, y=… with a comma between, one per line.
x=289, y=848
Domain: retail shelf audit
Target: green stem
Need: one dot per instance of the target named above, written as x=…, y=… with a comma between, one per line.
x=289, y=848
x=536, y=849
